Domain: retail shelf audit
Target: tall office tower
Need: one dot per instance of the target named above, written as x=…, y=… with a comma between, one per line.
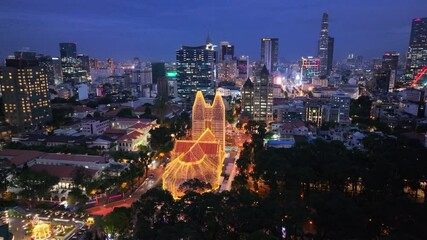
x=195, y=69
x=417, y=51
x=325, y=47
x=163, y=87
x=310, y=68
x=25, y=92
x=243, y=67
x=72, y=68
x=270, y=53
x=46, y=62
x=159, y=71
x=84, y=62
x=340, y=108
x=390, y=60
x=263, y=97
x=388, y=69
x=248, y=96
x=382, y=79
x=331, y=42
x=226, y=51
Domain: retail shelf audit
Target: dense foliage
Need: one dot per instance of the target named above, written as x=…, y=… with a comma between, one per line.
x=317, y=190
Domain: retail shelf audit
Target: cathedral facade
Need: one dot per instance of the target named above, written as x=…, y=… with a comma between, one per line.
x=202, y=157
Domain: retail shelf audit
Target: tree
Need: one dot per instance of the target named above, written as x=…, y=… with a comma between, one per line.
x=161, y=139
x=34, y=184
x=76, y=196
x=80, y=176
x=194, y=185
x=161, y=105
x=117, y=221
x=180, y=125
x=125, y=112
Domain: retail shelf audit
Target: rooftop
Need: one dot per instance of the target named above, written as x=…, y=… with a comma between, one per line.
x=19, y=157
x=60, y=171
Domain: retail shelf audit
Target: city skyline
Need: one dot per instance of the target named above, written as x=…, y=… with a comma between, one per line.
x=154, y=32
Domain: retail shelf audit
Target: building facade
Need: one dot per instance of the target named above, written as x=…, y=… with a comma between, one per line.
x=325, y=47
x=202, y=157
x=24, y=86
x=417, y=51
x=195, y=69
x=270, y=53
x=263, y=97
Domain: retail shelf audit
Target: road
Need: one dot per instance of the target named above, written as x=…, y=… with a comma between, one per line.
x=144, y=187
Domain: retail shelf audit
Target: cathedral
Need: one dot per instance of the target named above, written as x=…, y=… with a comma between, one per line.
x=202, y=157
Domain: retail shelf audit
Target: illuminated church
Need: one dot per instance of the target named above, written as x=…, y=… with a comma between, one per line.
x=203, y=156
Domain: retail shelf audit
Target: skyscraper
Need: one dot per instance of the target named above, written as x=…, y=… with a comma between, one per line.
x=270, y=53
x=24, y=86
x=385, y=77
x=195, y=69
x=417, y=51
x=325, y=47
x=72, y=67
x=310, y=67
x=226, y=51
x=158, y=70
x=263, y=97
x=248, y=96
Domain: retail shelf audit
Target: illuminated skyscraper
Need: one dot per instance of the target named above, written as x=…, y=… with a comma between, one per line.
x=25, y=92
x=195, y=69
x=73, y=70
x=263, y=97
x=325, y=47
x=270, y=53
x=226, y=51
x=248, y=96
x=310, y=68
x=417, y=51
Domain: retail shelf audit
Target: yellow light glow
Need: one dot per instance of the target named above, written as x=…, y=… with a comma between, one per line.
x=202, y=157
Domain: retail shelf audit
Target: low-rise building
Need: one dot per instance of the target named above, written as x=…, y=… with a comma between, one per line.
x=95, y=127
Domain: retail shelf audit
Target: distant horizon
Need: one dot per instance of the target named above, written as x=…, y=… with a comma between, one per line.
x=153, y=32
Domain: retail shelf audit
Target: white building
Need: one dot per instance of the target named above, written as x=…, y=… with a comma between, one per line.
x=95, y=127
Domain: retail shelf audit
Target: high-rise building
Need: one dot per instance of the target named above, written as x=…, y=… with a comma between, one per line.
x=390, y=60
x=340, y=108
x=263, y=97
x=325, y=47
x=270, y=53
x=417, y=51
x=226, y=51
x=159, y=71
x=310, y=68
x=195, y=69
x=24, y=86
x=385, y=77
x=52, y=67
x=163, y=87
x=248, y=96
x=73, y=70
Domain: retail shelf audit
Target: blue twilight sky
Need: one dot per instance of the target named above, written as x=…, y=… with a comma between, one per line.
x=154, y=30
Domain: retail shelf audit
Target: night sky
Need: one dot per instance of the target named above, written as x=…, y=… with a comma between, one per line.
x=154, y=30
